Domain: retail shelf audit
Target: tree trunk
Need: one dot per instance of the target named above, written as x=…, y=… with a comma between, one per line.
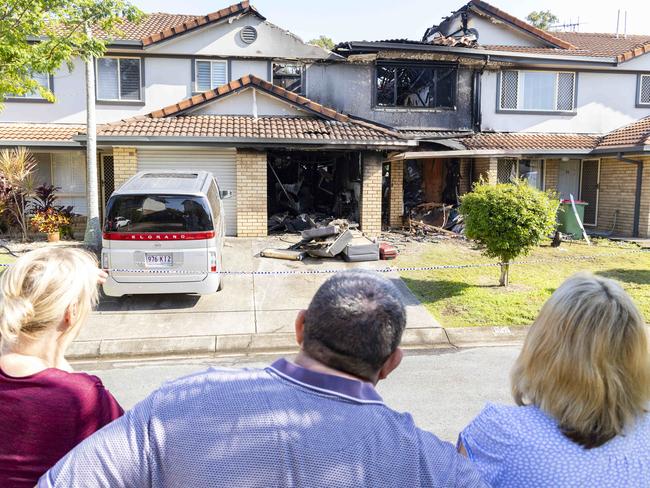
x=505, y=269
x=92, y=236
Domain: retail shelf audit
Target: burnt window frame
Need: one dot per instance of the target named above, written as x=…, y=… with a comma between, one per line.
x=300, y=77
x=401, y=64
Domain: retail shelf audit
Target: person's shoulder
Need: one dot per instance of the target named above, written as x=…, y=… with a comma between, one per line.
x=212, y=378
x=76, y=380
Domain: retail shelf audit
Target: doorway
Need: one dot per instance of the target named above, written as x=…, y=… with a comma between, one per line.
x=569, y=179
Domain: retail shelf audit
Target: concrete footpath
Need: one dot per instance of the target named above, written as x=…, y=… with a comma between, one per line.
x=251, y=314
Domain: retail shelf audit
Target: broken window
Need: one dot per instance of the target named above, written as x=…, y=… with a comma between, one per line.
x=416, y=85
x=288, y=76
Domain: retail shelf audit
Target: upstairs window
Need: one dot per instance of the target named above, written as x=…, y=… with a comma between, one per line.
x=288, y=76
x=44, y=80
x=416, y=85
x=119, y=79
x=531, y=170
x=643, y=91
x=538, y=91
x=210, y=74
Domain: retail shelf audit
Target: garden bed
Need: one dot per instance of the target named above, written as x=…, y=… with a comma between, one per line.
x=470, y=297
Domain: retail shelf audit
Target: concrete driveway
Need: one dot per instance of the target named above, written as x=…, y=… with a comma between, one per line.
x=249, y=309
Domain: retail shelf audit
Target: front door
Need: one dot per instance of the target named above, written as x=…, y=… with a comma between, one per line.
x=569, y=179
x=589, y=182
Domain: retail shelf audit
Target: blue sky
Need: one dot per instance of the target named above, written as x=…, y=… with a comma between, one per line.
x=389, y=19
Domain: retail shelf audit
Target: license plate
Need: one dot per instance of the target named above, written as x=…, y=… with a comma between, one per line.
x=158, y=260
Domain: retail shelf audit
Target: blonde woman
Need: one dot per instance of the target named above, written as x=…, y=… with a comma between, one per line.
x=582, y=386
x=45, y=408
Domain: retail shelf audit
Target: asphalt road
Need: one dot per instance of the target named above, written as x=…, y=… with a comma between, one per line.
x=442, y=389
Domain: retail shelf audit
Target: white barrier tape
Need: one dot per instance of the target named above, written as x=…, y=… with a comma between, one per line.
x=388, y=269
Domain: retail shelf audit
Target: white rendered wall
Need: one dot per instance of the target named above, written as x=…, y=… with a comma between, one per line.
x=243, y=67
x=495, y=33
x=605, y=102
x=241, y=103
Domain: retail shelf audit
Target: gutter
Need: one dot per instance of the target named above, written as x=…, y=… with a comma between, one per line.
x=480, y=53
x=23, y=142
x=637, y=195
x=487, y=153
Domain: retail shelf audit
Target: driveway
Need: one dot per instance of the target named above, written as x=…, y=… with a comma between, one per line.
x=248, y=305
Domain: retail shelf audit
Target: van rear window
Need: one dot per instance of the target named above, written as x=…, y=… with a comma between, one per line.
x=157, y=213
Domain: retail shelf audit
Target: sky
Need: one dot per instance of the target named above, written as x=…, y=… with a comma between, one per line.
x=347, y=20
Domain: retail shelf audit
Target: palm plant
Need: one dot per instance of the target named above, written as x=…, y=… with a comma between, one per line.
x=16, y=170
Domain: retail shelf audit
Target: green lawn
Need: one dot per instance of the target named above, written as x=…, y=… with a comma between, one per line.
x=471, y=297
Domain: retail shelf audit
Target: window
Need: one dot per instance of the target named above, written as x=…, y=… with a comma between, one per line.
x=288, y=76
x=531, y=170
x=643, y=91
x=415, y=85
x=543, y=91
x=119, y=79
x=44, y=80
x=67, y=170
x=158, y=213
x=210, y=74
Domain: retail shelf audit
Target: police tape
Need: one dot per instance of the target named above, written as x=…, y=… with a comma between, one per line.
x=387, y=269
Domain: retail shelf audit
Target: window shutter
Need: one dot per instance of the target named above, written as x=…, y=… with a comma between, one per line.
x=107, y=84
x=644, y=89
x=203, y=76
x=509, y=89
x=129, y=79
x=218, y=74
x=565, y=91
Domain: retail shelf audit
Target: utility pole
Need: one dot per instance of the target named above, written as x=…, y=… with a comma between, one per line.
x=92, y=236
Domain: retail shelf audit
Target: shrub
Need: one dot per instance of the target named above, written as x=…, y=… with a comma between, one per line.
x=507, y=220
x=49, y=221
x=16, y=168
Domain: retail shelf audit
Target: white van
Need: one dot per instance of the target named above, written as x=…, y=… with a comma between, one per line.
x=164, y=233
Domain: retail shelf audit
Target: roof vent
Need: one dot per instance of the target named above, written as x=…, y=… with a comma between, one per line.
x=248, y=34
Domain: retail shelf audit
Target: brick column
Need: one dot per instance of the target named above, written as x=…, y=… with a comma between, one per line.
x=644, y=214
x=251, y=193
x=396, y=210
x=125, y=164
x=371, y=194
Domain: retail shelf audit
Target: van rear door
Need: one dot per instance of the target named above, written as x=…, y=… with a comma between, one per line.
x=158, y=238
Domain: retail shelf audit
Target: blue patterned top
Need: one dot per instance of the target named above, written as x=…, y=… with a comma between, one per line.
x=283, y=426
x=524, y=447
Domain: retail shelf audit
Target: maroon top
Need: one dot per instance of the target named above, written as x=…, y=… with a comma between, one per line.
x=43, y=416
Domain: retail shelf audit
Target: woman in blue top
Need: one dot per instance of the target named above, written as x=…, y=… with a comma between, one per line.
x=582, y=386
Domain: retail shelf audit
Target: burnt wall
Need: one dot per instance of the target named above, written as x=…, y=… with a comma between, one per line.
x=349, y=87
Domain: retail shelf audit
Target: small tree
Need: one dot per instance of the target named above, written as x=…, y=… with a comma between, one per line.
x=16, y=182
x=324, y=42
x=542, y=19
x=508, y=219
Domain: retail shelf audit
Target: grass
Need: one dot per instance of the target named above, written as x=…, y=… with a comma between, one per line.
x=470, y=297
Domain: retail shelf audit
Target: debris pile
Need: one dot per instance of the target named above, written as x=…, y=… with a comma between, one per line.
x=338, y=238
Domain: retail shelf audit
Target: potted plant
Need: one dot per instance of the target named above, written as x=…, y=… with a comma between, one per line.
x=50, y=221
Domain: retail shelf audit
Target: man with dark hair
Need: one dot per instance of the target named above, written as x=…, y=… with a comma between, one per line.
x=314, y=422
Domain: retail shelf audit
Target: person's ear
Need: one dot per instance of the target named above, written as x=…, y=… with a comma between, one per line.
x=300, y=327
x=391, y=364
x=69, y=317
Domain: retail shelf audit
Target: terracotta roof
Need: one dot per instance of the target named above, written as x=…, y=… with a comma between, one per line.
x=531, y=29
x=274, y=90
x=276, y=128
x=608, y=45
x=41, y=133
x=160, y=26
x=632, y=135
x=530, y=141
x=199, y=21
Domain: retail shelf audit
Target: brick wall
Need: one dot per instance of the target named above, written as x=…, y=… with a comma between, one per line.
x=371, y=194
x=617, y=191
x=465, y=176
x=551, y=174
x=396, y=210
x=125, y=164
x=486, y=168
x=251, y=193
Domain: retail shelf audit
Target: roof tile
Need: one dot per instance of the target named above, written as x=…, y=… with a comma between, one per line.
x=55, y=133
x=632, y=135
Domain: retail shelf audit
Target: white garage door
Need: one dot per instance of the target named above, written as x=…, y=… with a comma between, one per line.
x=222, y=163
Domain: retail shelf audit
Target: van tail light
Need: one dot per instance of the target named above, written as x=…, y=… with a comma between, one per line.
x=212, y=261
x=105, y=261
